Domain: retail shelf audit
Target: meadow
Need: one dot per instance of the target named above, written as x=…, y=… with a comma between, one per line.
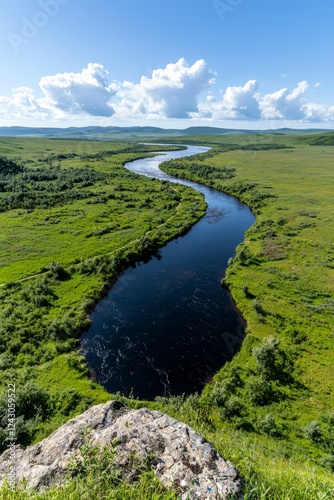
x=72, y=218
x=282, y=279
x=271, y=410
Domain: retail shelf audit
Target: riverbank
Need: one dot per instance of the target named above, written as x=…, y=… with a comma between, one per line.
x=176, y=339
x=282, y=281
x=86, y=219
x=282, y=457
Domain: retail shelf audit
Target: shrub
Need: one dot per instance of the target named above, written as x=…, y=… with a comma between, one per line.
x=260, y=391
x=193, y=401
x=328, y=418
x=78, y=364
x=328, y=462
x=33, y=401
x=313, y=432
x=247, y=293
x=272, y=362
x=220, y=393
x=57, y=270
x=57, y=329
x=268, y=425
x=6, y=360
x=233, y=407
x=258, y=308
x=244, y=256
x=234, y=376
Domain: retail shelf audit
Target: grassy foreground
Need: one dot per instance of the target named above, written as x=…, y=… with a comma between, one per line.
x=271, y=410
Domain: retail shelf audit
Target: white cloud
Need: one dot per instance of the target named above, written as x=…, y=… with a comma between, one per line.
x=64, y=95
x=85, y=92
x=236, y=103
x=284, y=104
x=170, y=92
x=24, y=104
x=318, y=113
x=245, y=103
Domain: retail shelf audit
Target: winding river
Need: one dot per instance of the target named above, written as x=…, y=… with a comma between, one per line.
x=167, y=325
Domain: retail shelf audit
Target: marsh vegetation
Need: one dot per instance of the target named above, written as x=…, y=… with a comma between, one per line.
x=269, y=411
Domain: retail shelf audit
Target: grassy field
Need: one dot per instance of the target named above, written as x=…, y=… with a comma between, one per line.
x=281, y=383
x=72, y=218
x=271, y=410
x=108, y=208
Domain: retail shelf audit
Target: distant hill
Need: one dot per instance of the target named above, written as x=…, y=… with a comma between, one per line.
x=112, y=132
x=322, y=139
x=109, y=133
x=82, y=132
x=292, y=130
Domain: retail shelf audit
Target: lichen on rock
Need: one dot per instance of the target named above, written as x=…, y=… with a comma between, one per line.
x=181, y=458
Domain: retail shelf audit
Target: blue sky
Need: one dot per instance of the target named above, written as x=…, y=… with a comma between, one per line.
x=229, y=63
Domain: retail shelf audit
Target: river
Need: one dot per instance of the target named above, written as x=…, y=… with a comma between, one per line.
x=167, y=325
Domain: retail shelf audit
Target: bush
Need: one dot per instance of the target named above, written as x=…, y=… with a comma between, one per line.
x=272, y=362
x=244, y=256
x=233, y=407
x=328, y=418
x=33, y=401
x=328, y=462
x=6, y=361
x=313, y=432
x=247, y=293
x=268, y=425
x=77, y=363
x=258, y=308
x=260, y=391
x=235, y=379
x=57, y=329
x=57, y=270
x=220, y=393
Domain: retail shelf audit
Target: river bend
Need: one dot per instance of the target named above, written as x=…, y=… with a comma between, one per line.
x=167, y=325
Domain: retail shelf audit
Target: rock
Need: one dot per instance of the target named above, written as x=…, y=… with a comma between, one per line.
x=182, y=458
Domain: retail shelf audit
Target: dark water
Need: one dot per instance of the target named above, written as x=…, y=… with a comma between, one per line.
x=167, y=325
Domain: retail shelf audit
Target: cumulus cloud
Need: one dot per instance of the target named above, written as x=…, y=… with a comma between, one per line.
x=64, y=95
x=317, y=112
x=284, y=104
x=236, y=103
x=24, y=104
x=170, y=92
x=246, y=103
x=85, y=92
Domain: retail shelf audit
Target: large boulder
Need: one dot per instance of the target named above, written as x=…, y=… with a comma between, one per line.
x=182, y=458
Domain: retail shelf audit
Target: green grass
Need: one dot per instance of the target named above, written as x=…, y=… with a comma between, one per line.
x=57, y=261
x=122, y=206
x=282, y=279
x=97, y=475
x=258, y=415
